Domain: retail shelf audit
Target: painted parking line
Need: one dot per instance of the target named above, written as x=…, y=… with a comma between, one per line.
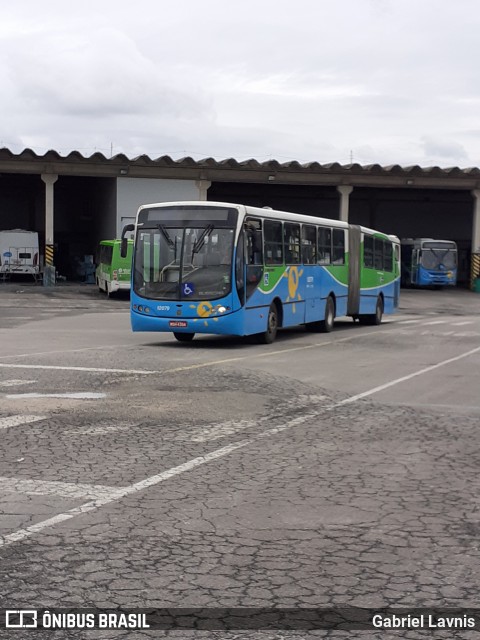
x=53, y=367
x=119, y=493
x=387, y=385
x=80, y=395
x=15, y=383
x=18, y=420
x=122, y=492
x=220, y=430
x=53, y=488
x=48, y=353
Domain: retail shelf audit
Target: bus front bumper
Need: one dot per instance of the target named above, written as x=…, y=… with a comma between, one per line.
x=228, y=324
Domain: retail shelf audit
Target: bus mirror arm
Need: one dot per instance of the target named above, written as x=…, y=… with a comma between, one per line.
x=124, y=245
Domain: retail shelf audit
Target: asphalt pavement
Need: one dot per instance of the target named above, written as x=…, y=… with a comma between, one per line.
x=323, y=471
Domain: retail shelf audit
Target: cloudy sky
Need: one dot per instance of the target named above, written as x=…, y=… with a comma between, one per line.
x=387, y=81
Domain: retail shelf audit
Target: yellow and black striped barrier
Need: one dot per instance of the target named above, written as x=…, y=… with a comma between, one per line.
x=475, y=270
x=49, y=269
x=49, y=255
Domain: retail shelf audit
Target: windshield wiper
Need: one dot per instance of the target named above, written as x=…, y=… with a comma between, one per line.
x=164, y=232
x=201, y=240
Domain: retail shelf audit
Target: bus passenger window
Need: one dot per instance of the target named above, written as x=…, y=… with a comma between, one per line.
x=378, y=253
x=273, y=242
x=388, y=256
x=338, y=246
x=324, y=245
x=309, y=244
x=291, y=238
x=368, y=252
x=254, y=242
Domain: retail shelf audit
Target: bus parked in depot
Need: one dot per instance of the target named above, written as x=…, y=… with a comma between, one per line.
x=19, y=253
x=207, y=267
x=427, y=262
x=113, y=272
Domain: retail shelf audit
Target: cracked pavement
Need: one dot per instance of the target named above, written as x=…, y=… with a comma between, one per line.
x=226, y=474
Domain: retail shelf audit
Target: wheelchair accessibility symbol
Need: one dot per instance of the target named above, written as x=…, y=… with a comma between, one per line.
x=188, y=288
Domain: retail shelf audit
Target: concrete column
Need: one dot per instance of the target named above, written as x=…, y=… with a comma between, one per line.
x=344, y=191
x=475, y=265
x=202, y=186
x=476, y=221
x=49, y=269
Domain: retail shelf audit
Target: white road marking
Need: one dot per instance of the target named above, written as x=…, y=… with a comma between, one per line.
x=83, y=395
x=410, y=321
x=267, y=354
x=47, y=353
x=119, y=493
x=434, y=322
x=99, y=429
x=221, y=430
x=90, y=369
x=17, y=420
x=432, y=367
x=461, y=324
x=122, y=492
x=62, y=489
x=15, y=383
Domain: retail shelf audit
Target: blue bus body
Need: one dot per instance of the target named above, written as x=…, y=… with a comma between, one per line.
x=427, y=262
x=300, y=290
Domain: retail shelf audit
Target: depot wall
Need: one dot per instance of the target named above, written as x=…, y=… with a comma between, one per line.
x=133, y=192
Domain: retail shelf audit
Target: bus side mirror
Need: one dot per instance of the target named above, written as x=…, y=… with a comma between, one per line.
x=124, y=245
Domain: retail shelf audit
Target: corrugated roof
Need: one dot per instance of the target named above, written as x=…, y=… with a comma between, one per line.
x=28, y=155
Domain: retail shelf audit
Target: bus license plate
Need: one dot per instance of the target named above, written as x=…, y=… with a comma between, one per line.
x=178, y=323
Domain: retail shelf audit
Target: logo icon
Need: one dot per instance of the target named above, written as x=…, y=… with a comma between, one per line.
x=20, y=619
x=188, y=288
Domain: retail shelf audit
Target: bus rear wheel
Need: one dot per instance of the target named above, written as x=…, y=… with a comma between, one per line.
x=183, y=337
x=268, y=336
x=324, y=326
x=374, y=318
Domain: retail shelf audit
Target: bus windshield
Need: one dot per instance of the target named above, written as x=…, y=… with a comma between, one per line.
x=433, y=258
x=184, y=262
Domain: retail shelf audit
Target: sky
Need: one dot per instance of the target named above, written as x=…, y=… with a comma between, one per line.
x=363, y=81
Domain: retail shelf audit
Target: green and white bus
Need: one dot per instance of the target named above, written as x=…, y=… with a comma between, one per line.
x=113, y=272
x=213, y=267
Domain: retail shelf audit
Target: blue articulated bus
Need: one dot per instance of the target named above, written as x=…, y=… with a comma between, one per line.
x=427, y=262
x=218, y=268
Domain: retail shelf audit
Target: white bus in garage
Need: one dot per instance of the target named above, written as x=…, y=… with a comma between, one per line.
x=19, y=253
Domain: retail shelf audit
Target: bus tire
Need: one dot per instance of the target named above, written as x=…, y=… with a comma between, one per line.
x=374, y=318
x=324, y=326
x=268, y=336
x=327, y=325
x=183, y=337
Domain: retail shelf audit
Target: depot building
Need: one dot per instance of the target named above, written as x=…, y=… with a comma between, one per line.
x=73, y=201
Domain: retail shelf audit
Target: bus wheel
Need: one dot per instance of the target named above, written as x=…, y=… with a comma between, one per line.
x=268, y=336
x=327, y=325
x=324, y=326
x=374, y=318
x=183, y=337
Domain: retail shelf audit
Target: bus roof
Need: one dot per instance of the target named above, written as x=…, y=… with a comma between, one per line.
x=422, y=240
x=267, y=212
